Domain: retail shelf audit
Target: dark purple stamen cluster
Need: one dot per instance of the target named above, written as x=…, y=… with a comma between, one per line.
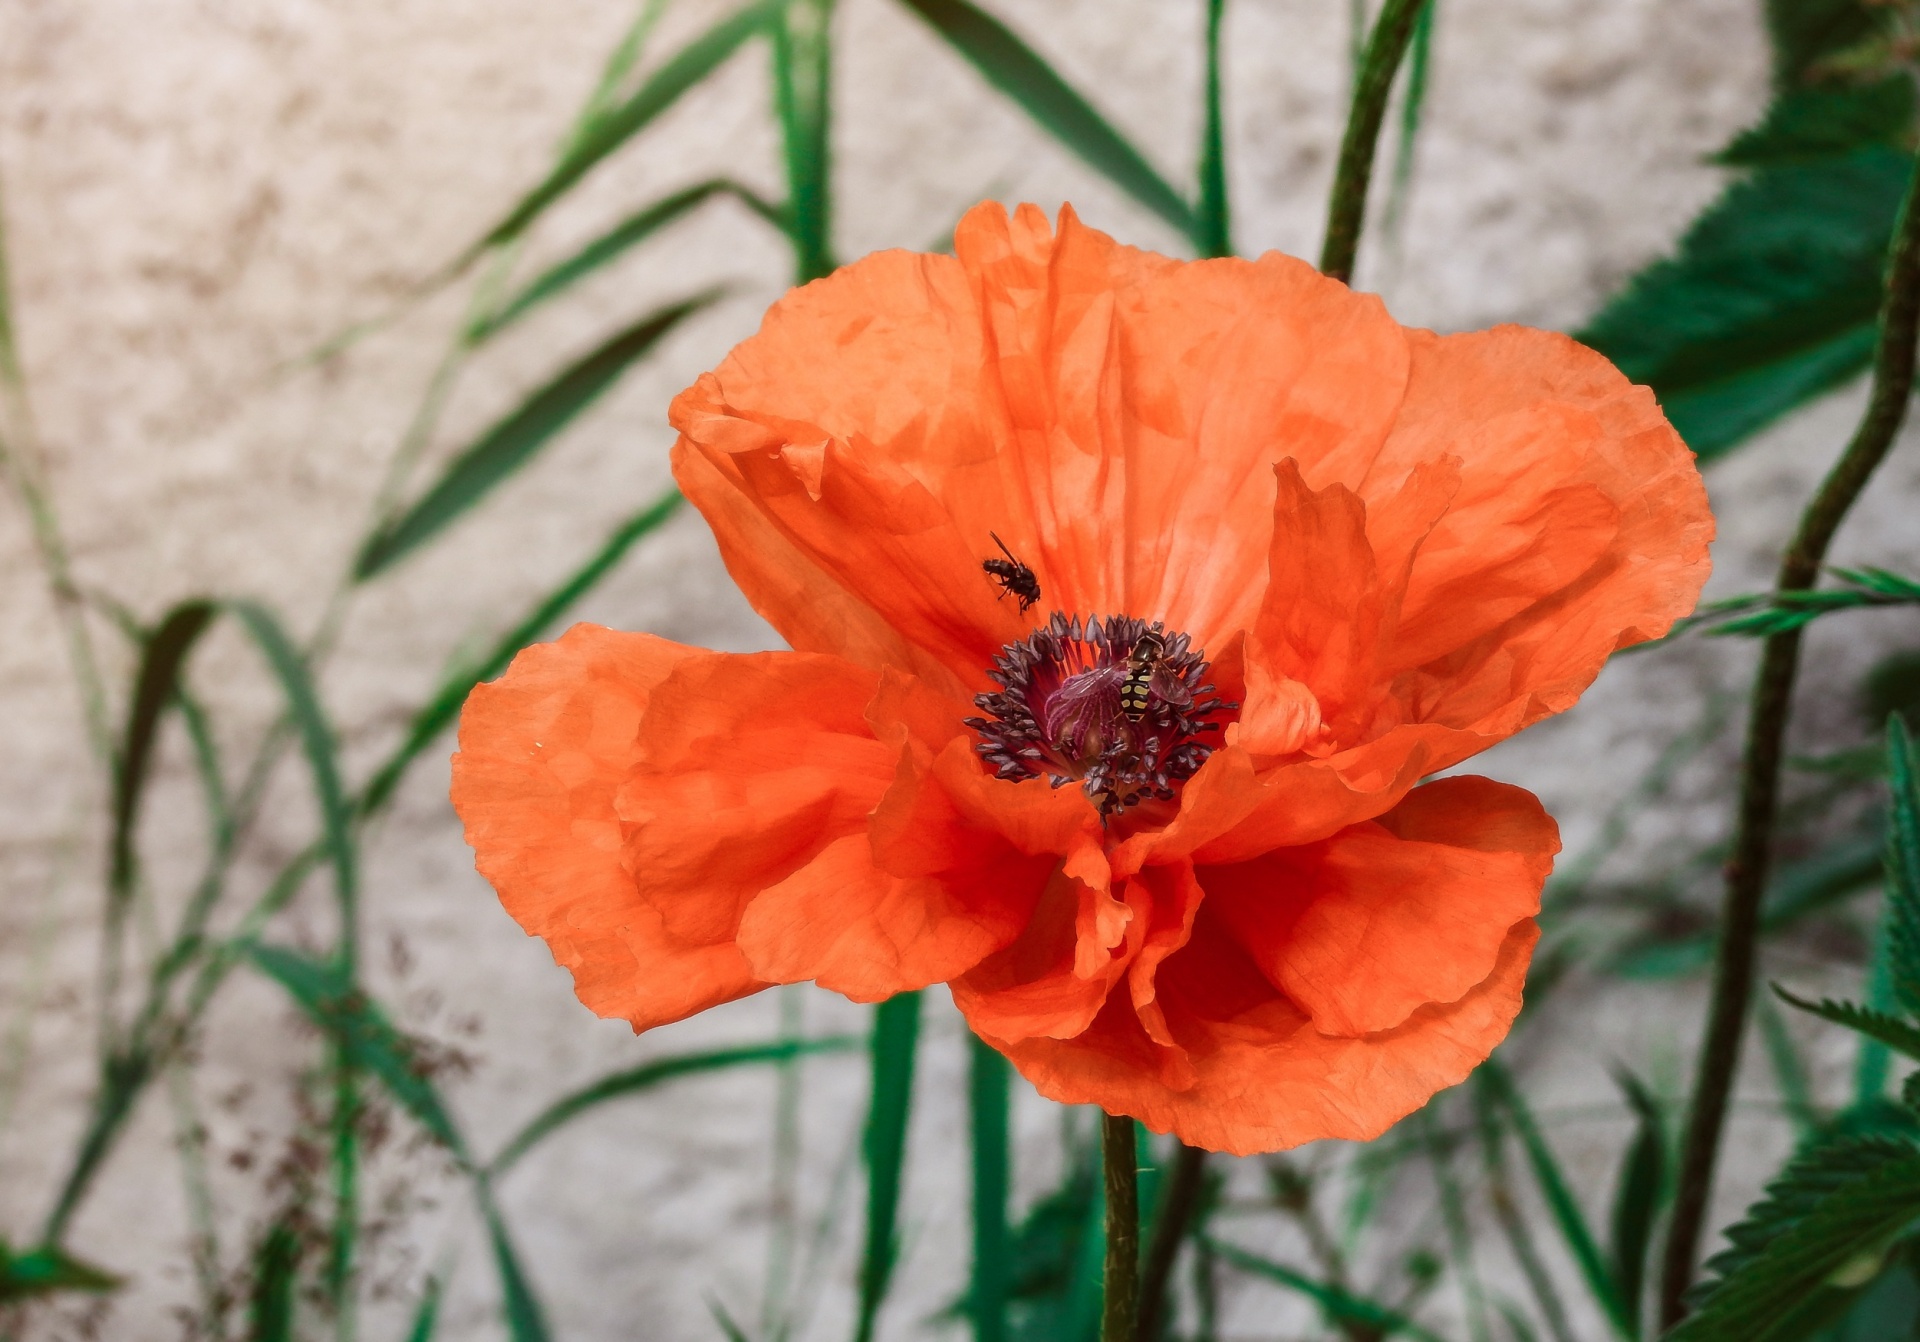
x=1058, y=714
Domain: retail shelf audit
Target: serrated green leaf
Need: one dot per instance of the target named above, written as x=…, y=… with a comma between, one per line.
x=1903, y=866
x=614, y=127
x=616, y=242
x=439, y=712
x=1825, y=121
x=371, y=1042
x=895, y=1043
x=515, y=440
x=634, y=1080
x=1892, y=1031
x=47, y=1270
x=1637, y=1194
x=1014, y=68
x=1809, y=1246
x=1771, y=299
x=1342, y=1307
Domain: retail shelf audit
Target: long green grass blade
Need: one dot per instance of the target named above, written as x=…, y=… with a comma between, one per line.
x=1565, y=1209
x=634, y=1080
x=316, y=740
x=1343, y=1308
x=989, y=1099
x=514, y=441
x=371, y=1042
x=440, y=711
x=1637, y=1196
x=1213, y=220
x=526, y=1320
x=614, y=127
x=895, y=1042
x=1789, y=1071
x=611, y=245
x=1014, y=68
x=426, y=1315
x=276, y=1268
x=1412, y=105
x=1513, y=1226
x=803, y=94
x=162, y=658
x=47, y=1270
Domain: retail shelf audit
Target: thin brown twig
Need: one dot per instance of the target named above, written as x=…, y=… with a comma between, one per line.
x=1746, y=869
x=1120, y=1284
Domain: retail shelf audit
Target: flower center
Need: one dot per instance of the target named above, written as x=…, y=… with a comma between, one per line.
x=1114, y=704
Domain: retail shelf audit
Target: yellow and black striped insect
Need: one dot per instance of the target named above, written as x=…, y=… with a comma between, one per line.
x=1136, y=690
x=1014, y=577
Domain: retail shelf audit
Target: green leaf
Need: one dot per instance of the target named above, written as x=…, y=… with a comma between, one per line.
x=1903, y=866
x=316, y=740
x=526, y=1320
x=1895, y=1033
x=989, y=1116
x=276, y=1269
x=613, y=244
x=613, y=128
x=1341, y=1307
x=1565, y=1209
x=1771, y=299
x=895, y=1041
x=803, y=88
x=426, y=1315
x=45, y=1270
x=1811, y=1244
x=1825, y=121
x=514, y=441
x=1804, y=32
x=444, y=707
x=370, y=1041
x=162, y=657
x=1637, y=1195
x=634, y=1080
x=1014, y=68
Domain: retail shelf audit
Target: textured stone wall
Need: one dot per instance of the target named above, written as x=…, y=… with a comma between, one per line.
x=198, y=192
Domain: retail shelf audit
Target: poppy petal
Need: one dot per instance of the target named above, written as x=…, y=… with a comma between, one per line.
x=542, y=753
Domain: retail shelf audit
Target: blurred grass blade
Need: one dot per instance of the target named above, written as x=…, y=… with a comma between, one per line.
x=1413, y=104
x=633, y=1080
x=613, y=244
x=1519, y=1236
x=1453, y=1213
x=1789, y=1071
x=1637, y=1196
x=1013, y=67
x=895, y=1041
x=1903, y=866
x=444, y=707
x=316, y=740
x=614, y=127
x=371, y=1042
x=619, y=64
x=1567, y=1216
x=514, y=441
x=988, y=1112
x=426, y=1315
x=734, y=1332
x=803, y=89
x=1899, y=1035
x=1213, y=220
x=276, y=1268
x=1344, y=1309
x=526, y=1321
x=162, y=657
x=46, y=1270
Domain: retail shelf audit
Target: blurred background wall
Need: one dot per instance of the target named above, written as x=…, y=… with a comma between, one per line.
x=198, y=193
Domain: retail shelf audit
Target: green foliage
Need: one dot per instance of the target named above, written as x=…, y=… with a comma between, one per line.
x=1781, y=612
x=516, y=439
x=1806, y=1250
x=1895, y=1033
x=1014, y=68
x=426, y=1315
x=46, y=1271
x=1342, y=1307
x=894, y=1045
x=1638, y=1196
x=989, y=1104
x=276, y=1274
x=1903, y=867
x=163, y=658
x=1825, y=121
x=526, y=1320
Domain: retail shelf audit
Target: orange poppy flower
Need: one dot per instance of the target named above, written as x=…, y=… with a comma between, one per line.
x=1141, y=790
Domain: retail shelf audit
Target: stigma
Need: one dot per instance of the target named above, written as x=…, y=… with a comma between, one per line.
x=1119, y=706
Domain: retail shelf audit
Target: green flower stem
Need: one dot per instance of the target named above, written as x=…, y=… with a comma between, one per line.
x=1346, y=210
x=1746, y=871
x=1121, y=1282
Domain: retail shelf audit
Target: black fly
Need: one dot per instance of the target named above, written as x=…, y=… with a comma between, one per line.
x=1014, y=577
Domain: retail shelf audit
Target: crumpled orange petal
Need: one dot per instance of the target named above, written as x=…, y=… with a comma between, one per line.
x=1396, y=548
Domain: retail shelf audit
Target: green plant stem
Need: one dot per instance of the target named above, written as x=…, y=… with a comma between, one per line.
x=1214, y=216
x=1178, y=1202
x=988, y=1083
x=1746, y=870
x=1120, y=1284
x=1347, y=208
